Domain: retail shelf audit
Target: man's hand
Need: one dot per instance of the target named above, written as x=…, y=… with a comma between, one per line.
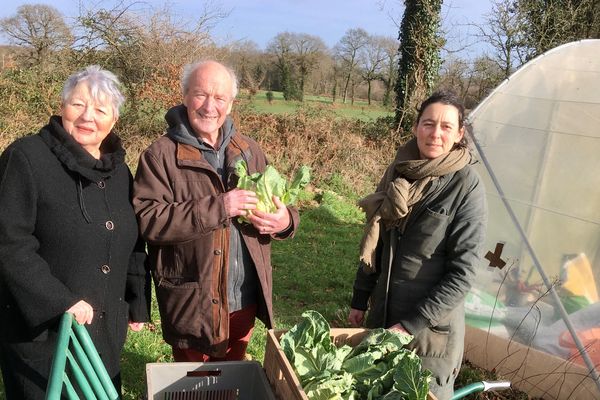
x=270, y=224
x=83, y=312
x=136, y=326
x=239, y=202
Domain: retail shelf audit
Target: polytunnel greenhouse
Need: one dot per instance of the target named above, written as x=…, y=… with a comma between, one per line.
x=533, y=315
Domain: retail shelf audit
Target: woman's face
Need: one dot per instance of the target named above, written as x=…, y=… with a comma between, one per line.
x=438, y=130
x=87, y=120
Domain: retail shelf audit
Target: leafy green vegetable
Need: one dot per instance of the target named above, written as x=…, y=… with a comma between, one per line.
x=270, y=183
x=410, y=380
x=379, y=367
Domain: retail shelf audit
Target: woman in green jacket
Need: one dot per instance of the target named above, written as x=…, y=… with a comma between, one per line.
x=425, y=230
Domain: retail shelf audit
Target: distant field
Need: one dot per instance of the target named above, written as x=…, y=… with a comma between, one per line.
x=360, y=109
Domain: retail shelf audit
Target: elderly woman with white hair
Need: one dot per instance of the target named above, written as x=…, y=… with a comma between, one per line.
x=68, y=237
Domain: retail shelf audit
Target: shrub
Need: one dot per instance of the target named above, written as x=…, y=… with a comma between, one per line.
x=270, y=97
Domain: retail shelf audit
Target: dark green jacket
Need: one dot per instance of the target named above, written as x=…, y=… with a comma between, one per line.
x=433, y=266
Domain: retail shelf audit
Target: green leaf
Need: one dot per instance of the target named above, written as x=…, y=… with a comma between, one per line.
x=270, y=183
x=313, y=330
x=411, y=380
x=379, y=367
x=333, y=387
x=301, y=179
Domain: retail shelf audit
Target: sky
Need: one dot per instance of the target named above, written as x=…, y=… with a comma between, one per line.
x=261, y=20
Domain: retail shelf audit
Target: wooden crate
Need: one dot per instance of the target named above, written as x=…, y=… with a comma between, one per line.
x=280, y=372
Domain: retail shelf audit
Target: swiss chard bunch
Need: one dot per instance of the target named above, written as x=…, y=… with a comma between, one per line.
x=270, y=183
x=379, y=367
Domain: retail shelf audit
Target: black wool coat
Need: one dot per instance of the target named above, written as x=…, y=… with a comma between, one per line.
x=68, y=233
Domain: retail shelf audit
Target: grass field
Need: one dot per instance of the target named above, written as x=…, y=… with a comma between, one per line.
x=360, y=109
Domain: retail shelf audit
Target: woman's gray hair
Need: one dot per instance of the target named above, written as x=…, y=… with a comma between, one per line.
x=189, y=69
x=101, y=83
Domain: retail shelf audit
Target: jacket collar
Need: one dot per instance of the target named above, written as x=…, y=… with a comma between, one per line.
x=76, y=158
x=238, y=148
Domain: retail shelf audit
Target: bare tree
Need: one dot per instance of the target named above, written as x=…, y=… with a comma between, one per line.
x=347, y=50
x=502, y=30
x=38, y=28
x=308, y=49
x=297, y=54
x=143, y=48
x=390, y=68
x=321, y=79
x=250, y=64
x=485, y=75
x=455, y=74
x=373, y=59
x=281, y=47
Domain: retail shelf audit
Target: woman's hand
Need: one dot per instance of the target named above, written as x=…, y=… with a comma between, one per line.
x=270, y=224
x=82, y=311
x=356, y=317
x=136, y=326
x=398, y=328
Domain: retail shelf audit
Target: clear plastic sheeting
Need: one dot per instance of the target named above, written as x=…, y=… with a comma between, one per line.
x=538, y=141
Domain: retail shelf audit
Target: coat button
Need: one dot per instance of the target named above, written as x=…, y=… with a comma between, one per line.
x=105, y=269
x=215, y=301
x=109, y=225
x=218, y=252
x=101, y=184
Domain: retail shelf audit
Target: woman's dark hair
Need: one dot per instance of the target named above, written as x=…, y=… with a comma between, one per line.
x=449, y=98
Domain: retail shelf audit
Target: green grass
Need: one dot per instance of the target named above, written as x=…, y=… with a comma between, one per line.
x=359, y=110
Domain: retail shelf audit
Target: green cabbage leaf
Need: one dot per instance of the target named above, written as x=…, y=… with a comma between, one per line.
x=379, y=367
x=270, y=183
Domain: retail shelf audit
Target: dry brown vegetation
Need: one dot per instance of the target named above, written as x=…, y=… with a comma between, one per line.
x=351, y=152
x=334, y=148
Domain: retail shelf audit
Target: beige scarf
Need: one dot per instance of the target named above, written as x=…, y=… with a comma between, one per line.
x=405, y=181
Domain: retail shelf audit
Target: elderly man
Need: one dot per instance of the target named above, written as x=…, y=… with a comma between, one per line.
x=212, y=274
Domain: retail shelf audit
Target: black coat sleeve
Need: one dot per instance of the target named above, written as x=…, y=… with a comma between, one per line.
x=138, y=290
x=25, y=275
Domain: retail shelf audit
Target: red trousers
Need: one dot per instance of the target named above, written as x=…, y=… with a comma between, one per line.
x=241, y=325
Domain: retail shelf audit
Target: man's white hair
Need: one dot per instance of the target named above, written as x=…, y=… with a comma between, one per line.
x=189, y=69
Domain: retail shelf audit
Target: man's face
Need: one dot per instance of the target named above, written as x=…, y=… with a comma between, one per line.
x=208, y=100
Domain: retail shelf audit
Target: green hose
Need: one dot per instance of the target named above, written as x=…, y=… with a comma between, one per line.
x=479, y=387
x=464, y=391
